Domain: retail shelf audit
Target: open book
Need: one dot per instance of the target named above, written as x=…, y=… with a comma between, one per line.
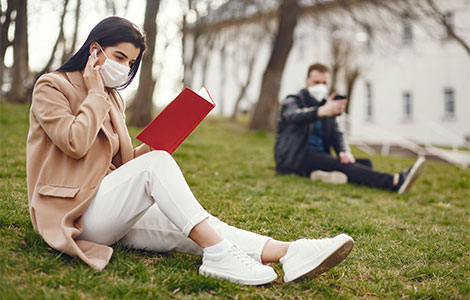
x=179, y=118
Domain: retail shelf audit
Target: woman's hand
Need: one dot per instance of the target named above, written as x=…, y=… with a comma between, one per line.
x=91, y=74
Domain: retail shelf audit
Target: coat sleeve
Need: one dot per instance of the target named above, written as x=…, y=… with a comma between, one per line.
x=292, y=113
x=142, y=149
x=73, y=133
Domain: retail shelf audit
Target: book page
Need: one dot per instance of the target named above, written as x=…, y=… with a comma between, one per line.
x=205, y=94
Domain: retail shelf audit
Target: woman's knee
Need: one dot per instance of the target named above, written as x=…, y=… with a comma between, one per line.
x=158, y=159
x=159, y=155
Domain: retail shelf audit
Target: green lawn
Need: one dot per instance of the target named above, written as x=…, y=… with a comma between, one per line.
x=412, y=246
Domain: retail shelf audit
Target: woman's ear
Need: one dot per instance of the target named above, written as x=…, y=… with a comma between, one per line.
x=94, y=46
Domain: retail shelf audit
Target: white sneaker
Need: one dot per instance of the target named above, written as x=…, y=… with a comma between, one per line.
x=235, y=265
x=335, y=177
x=410, y=175
x=310, y=258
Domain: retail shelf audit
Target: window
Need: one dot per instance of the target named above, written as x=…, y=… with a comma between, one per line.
x=369, y=107
x=407, y=36
x=449, y=24
x=407, y=106
x=449, y=103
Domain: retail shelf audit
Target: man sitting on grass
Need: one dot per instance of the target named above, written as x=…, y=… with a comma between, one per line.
x=307, y=128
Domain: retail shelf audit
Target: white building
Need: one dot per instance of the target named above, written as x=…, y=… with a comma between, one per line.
x=414, y=80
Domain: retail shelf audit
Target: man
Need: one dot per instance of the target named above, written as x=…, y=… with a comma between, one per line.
x=307, y=128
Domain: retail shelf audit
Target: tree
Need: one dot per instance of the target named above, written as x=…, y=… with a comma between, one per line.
x=141, y=107
x=426, y=13
x=244, y=84
x=441, y=18
x=59, y=41
x=20, y=69
x=5, y=42
x=265, y=113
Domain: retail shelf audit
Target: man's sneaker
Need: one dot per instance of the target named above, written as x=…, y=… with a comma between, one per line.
x=409, y=176
x=335, y=177
x=235, y=265
x=310, y=258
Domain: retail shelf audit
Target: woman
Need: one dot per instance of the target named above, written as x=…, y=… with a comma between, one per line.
x=89, y=189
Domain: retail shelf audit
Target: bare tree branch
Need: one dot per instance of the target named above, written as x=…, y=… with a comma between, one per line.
x=60, y=40
x=244, y=85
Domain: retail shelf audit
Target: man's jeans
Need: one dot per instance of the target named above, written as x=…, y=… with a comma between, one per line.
x=360, y=172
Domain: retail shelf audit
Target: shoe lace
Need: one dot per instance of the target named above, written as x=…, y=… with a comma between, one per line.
x=242, y=257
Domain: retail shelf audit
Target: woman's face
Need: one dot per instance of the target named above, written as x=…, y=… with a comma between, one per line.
x=124, y=53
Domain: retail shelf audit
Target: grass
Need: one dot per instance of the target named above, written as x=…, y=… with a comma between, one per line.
x=411, y=246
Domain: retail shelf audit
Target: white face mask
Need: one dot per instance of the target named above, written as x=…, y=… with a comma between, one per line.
x=318, y=91
x=113, y=73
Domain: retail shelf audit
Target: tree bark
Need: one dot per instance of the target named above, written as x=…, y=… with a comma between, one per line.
x=4, y=41
x=141, y=107
x=20, y=70
x=266, y=110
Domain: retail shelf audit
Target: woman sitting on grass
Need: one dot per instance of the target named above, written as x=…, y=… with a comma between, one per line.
x=89, y=189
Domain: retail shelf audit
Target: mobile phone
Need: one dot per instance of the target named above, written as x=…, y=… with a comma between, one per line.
x=339, y=97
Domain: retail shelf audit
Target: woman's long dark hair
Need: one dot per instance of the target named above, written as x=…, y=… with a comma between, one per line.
x=109, y=32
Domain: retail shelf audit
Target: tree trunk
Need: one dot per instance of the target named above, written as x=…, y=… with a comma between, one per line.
x=351, y=76
x=141, y=107
x=336, y=64
x=244, y=86
x=206, y=57
x=222, y=79
x=266, y=110
x=4, y=41
x=20, y=70
x=189, y=66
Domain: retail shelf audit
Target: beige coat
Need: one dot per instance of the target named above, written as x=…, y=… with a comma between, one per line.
x=68, y=154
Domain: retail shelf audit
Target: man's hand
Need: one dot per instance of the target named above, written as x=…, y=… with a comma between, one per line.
x=346, y=158
x=332, y=107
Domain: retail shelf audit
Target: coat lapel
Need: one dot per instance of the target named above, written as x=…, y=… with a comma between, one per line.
x=117, y=118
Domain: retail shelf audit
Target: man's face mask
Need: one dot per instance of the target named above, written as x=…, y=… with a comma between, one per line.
x=113, y=73
x=318, y=91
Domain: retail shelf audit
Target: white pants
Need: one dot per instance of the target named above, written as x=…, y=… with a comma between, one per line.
x=147, y=204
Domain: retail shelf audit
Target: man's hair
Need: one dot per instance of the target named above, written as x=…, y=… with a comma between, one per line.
x=318, y=67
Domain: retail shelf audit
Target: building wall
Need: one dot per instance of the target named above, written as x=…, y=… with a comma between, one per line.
x=424, y=70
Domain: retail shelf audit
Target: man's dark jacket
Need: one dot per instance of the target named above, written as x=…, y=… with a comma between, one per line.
x=295, y=125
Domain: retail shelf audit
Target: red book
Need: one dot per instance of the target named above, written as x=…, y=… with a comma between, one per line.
x=179, y=118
